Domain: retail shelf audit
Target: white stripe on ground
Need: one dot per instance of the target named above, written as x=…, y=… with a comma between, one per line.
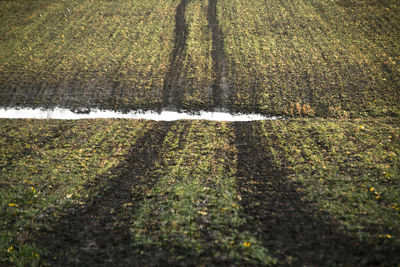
x=165, y=115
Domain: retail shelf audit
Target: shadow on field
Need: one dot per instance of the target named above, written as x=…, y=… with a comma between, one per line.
x=221, y=88
x=97, y=233
x=173, y=81
x=289, y=226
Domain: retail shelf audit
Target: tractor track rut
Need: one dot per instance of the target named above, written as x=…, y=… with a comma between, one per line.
x=175, y=79
x=172, y=93
x=221, y=87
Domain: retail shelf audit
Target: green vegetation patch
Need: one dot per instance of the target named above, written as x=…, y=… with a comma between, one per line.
x=193, y=211
x=49, y=165
x=313, y=58
x=197, y=64
x=108, y=54
x=190, y=208
x=349, y=168
x=198, y=191
x=330, y=58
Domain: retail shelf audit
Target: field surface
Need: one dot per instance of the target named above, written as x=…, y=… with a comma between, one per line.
x=320, y=187
x=302, y=191
x=330, y=58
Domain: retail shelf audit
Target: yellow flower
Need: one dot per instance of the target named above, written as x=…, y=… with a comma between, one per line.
x=246, y=244
x=361, y=127
x=12, y=205
x=388, y=236
x=372, y=189
x=10, y=249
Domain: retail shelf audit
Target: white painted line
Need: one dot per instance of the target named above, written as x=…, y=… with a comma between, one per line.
x=164, y=115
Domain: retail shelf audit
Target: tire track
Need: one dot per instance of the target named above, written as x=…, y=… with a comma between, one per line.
x=173, y=82
x=221, y=88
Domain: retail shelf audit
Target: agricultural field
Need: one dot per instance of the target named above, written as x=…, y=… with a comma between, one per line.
x=334, y=58
x=108, y=54
x=320, y=186
x=330, y=58
x=313, y=192
x=119, y=55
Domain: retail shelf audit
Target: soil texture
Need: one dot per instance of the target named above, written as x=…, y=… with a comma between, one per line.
x=92, y=235
x=221, y=88
x=291, y=228
x=172, y=92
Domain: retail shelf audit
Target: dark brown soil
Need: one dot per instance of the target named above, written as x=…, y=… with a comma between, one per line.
x=291, y=228
x=88, y=235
